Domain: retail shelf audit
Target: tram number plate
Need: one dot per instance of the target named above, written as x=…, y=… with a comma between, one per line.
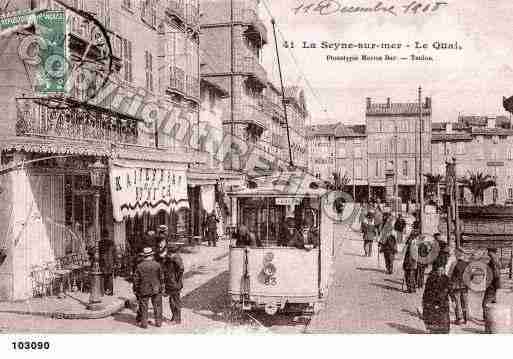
x=271, y=281
x=288, y=201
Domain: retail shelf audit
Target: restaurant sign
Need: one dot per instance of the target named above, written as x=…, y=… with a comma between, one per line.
x=137, y=190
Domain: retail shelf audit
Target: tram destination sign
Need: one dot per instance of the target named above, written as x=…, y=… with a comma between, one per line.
x=292, y=201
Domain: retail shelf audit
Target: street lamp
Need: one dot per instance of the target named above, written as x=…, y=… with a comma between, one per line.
x=98, y=174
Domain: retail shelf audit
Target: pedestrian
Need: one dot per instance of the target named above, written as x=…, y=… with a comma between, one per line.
x=409, y=262
x=162, y=238
x=369, y=232
x=389, y=249
x=244, y=238
x=490, y=295
x=435, y=300
x=459, y=290
x=107, y=250
x=293, y=238
x=148, y=280
x=211, y=229
x=378, y=220
x=399, y=226
x=173, y=278
x=423, y=251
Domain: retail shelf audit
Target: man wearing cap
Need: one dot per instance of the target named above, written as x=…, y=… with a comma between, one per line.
x=162, y=236
x=173, y=275
x=409, y=262
x=292, y=236
x=370, y=232
x=148, y=279
x=459, y=290
x=399, y=226
x=490, y=295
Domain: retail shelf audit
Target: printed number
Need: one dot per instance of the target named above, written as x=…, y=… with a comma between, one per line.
x=31, y=345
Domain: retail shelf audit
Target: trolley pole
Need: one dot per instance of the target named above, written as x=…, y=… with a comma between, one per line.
x=421, y=182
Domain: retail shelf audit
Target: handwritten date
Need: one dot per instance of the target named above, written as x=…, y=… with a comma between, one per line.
x=330, y=7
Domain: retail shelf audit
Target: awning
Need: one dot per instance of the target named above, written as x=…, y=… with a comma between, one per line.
x=52, y=145
x=138, y=187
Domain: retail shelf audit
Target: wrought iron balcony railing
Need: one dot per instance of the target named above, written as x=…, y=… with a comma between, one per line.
x=192, y=17
x=193, y=88
x=249, y=65
x=37, y=118
x=177, y=80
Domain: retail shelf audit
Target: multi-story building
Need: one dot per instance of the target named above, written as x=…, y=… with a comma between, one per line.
x=274, y=139
x=233, y=35
x=479, y=144
x=298, y=117
x=322, y=150
x=351, y=158
x=393, y=140
x=135, y=130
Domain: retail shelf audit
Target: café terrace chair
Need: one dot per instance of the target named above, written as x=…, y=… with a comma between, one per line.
x=60, y=275
x=39, y=284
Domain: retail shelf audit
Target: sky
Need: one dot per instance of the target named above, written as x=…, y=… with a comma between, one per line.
x=467, y=81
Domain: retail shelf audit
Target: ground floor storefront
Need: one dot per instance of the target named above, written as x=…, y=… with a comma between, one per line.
x=52, y=216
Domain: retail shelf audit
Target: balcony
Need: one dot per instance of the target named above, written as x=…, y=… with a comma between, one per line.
x=176, y=8
x=252, y=114
x=250, y=17
x=250, y=66
x=36, y=118
x=177, y=81
x=193, y=87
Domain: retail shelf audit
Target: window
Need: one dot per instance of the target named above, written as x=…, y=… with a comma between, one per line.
x=357, y=152
x=510, y=154
x=149, y=12
x=148, y=57
x=358, y=171
x=510, y=193
x=127, y=60
x=127, y=4
x=405, y=168
x=341, y=152
x=460, y=148
x=376, y=172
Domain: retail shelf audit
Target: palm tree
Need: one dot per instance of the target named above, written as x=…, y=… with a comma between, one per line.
x=477, y=183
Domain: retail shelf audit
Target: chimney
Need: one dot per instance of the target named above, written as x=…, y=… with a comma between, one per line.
x=491, y=121
x=369, y=101
x=448, y=127
x=388, y=102
x=428, y=103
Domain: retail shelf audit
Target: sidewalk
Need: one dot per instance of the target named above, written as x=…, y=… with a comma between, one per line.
x=364, y=299
x=73, y=306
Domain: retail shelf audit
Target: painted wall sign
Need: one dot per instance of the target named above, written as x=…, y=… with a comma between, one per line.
x=136, y=190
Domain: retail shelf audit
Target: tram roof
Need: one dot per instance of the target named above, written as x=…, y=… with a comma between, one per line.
x=283, y=184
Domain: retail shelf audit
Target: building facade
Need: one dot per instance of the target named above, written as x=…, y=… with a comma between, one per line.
x=298, y=118
x=393, y=139
x=233, y=36
x=322, y=148
x=135, y=128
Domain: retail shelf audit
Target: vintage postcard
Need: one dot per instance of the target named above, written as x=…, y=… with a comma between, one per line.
x=255, y=166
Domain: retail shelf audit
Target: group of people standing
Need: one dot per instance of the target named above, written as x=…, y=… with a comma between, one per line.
x=384, y=228
x=158, y=271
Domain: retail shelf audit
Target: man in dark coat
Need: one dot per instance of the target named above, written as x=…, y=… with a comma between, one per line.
x=173, y=276
x=148, y=279
x=490, y=295
x=423, y=249
x=292, y=236
x=409, y=262
x=107, y=262
x=389, y=249
x=399, y=226
x=459, y=290
x=162, y=237
x=211, y=229
x=435, y=300
x=370, y=233
x=244, y=238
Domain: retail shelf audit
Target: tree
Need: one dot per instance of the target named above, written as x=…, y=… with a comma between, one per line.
x=477, y=183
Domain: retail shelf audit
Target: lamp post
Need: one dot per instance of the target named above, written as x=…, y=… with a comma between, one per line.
x=97, y=171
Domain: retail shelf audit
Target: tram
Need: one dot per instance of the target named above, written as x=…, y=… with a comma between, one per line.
x=269, y=274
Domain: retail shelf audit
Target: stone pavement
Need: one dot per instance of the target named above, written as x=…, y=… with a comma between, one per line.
x=364, y=299
x=73, y=306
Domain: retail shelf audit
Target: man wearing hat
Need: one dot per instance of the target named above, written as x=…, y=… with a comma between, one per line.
x=490, y=295
x=293, y=238
x=459, y=290
x=173, y=276
x=148, y=279
x=409, y=262
x=162, y=237
x=370, y=232
x=211, y=229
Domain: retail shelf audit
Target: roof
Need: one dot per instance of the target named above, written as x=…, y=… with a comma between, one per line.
x=405, y=109
x=439, y=137
x=480, y=121
x=328, y=129
x=351, y=131
x=491, y=131
x=441, y=126
x=283, y=184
